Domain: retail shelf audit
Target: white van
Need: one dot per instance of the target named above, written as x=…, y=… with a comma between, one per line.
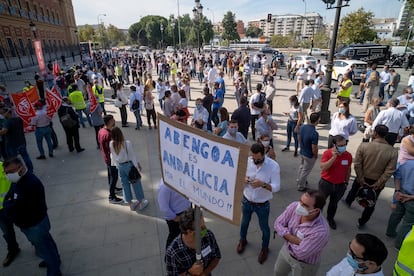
x=400, y=50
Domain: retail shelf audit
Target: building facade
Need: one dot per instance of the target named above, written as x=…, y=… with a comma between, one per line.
x=406, y=18
x=304, y=26
x=384, y=27
x=51, y=21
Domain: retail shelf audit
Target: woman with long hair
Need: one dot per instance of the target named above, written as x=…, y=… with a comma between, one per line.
x=149, y=107
x=370, y=116
x=183, y=103
x=342, y=123
x=224, y=118
x=295, y=120
x=124, y=158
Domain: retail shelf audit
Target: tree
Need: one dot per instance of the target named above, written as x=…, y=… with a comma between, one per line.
x=86, y=33
x=357, y=27
x=254, y=32
x=230, y=27
x=321, y=40
x=115, y=36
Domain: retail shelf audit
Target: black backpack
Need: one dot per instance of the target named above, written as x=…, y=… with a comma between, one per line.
x=261, y=102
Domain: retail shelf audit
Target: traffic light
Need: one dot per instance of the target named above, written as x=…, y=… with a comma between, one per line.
x=269, y=17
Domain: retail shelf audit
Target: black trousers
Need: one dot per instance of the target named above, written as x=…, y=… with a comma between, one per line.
x=335, y=192
x=253, y=125
x=151, y=113
x=72, y=137
x=367, y=213
x=97, y=128
x=124, y=116
x=112, y=179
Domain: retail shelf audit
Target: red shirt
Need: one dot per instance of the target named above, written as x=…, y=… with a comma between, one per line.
x=104, y=137
x=337, y=173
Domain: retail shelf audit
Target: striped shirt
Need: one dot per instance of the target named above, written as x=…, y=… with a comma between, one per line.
x=314, y=234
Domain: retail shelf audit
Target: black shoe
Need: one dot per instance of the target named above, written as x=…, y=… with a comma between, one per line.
x=302, y=189
x=296, y=153
x=332, y=223
x=42, y=264
x=10, y=257
x=41, y=157
x=115, y=200
x=80, y=150
x=360, y=225
x=51, y=155
x=125, y=125
x=71, y=150
x=285, y=149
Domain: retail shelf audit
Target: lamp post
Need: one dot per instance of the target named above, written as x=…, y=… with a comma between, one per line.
x=178, y=21
x=172, y=22
x=326, y=89
x=162, y=34
x=99, y=22
x=77, y=40
x=198, y=16
x=33, y=28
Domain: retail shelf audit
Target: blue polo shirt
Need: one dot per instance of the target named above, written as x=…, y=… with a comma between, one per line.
x=406, y=174
x=219, y=94
x=308, y=137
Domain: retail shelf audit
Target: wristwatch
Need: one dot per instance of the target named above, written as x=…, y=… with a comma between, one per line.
x=264, y=185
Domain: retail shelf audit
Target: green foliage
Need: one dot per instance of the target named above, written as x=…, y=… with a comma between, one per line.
x=230, y=27
x=254, y=32
x=86, y=33
x=357, y=27
x=280, y=41
x=321, y=40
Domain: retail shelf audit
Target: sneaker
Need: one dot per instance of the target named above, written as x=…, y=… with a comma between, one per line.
x=133, y=206
x=41, y=157
x=10, y=257
x=285, y=149
x=118, y=191
x=302, y=189
x=360, y=225
x=115, y=200
x=143, y=204
x=80, y=150
x=51, y=155
x=296, y=153
x=150, y=127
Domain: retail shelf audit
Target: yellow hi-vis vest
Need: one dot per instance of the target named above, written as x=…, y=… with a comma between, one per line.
x=76, y=98
x=404, y=266
x=4, y=185
x=99, y=91
x=347, y=91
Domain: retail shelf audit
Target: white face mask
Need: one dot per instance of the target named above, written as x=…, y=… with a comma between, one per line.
x=13, y=177
x=265, y=143
x=301, y=211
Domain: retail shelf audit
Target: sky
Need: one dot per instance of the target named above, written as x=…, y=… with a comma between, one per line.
x=124, y=13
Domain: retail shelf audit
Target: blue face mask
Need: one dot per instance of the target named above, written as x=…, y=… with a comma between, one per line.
x=341, y=149
x=356, y=266
x=342, y=110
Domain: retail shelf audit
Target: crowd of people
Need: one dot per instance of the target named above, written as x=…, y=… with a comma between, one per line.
x=301, y=225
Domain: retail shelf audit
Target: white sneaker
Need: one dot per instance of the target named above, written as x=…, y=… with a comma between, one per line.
x=134, y=205
x=143, y=204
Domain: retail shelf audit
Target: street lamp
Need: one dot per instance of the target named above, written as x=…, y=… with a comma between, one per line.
x=178, y=21
x=172, y=22
x=326, y=89
x=198, y=16
x=99, y=22
x=33, y=28
x=162, y=34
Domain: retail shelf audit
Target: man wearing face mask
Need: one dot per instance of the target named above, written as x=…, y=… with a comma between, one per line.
x=25, y=204
x=374, y=164
x=233, y=133
x=180, y=257
x=306, y=234
x=200, y=116
x=262, y=180
x=365, y=256
x=335, y=172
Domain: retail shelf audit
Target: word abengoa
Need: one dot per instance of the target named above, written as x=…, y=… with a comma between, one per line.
x=203, y=167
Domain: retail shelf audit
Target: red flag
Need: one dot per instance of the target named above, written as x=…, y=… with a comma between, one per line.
x=24, y=108
x=39, y=54
x=56, y=69
x=32, y=95
x=94, y=102
x=53, y=101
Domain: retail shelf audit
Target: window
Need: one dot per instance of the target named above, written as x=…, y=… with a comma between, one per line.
x=11, y=47
x=21, y=45
x=362, y=52
x=30, y=46
x=1, y=52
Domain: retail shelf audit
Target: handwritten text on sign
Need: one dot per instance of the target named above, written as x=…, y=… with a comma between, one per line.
x=202, y=169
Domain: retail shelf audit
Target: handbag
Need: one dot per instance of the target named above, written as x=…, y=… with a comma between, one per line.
x=133, y=174
x=67, y=121
x=118, y=103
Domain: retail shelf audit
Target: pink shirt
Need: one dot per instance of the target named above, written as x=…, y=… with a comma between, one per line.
x=314, y=234
x=403, y=155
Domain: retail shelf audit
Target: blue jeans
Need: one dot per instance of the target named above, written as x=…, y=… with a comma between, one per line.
x=6, y=226
x=11, y=151
x=45, y=132
x=138, y=118
x=124, y=169
x=81, y=117
x=262, y=212
x=44, y=245
x=290, y=129
x=361, y=98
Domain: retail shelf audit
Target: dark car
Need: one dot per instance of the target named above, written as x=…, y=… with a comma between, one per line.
x=267, y=50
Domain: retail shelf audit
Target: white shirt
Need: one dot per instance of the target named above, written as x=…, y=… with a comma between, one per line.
x=201, y=114
x=125, y=155
x=306, y=94
x=238, y=138
x=268, y=172
x=270, y=91
x=344, y=269
x=316, y=92
x=254, y=99
x=393, y=118
x=212, y=75
x=385, y=77
x=344, y=127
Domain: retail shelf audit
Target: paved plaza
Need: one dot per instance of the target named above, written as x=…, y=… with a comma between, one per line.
x=98, y=238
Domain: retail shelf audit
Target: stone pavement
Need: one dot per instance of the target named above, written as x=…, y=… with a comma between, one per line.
x=98, y=238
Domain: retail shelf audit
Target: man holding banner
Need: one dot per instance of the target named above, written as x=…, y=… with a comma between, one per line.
x=262, y=180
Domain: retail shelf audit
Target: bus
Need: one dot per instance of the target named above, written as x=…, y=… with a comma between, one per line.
x=86, y=48
x=370, y=53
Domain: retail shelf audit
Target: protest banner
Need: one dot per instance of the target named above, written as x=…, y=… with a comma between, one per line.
x=53, y=101
x=92, y=97
x=24, y=109
x=207, y=169
x=39, y=56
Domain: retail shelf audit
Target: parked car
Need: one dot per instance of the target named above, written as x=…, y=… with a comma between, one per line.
x=317, y=52
x=170, y=49
x=267, y=50
x=341, y=66
x=305, y=60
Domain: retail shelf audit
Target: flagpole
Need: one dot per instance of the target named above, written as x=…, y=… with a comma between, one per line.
x=179, y=28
